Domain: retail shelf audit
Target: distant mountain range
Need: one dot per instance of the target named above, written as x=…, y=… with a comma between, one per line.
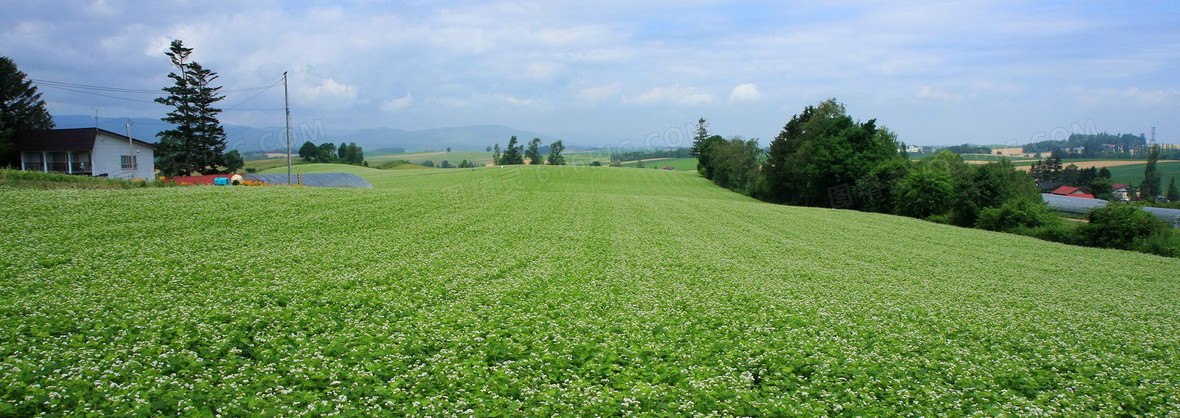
x=248, y=139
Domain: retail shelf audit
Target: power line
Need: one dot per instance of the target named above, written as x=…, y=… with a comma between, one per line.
x=255, y=95
x=91, y=89
x=62, y=84
x=99, y=94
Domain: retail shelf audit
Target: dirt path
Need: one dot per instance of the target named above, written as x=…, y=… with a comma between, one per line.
x=1087, y=164
x=646, y=160
x=1101, y=164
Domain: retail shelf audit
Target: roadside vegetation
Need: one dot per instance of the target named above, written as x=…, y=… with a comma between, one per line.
x=20, y=179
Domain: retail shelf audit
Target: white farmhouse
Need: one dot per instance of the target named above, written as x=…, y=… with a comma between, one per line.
x=86, y=151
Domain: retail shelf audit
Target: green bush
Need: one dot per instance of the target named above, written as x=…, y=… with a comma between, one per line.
x=1059, y=232
x=1165, y=243
x=1120, y=226
x=1015, y=214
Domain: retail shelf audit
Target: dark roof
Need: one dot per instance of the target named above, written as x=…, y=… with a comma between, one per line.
x=63, y=139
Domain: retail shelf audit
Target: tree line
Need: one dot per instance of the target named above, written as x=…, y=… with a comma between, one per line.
x=825, y=158
x=515, y=153
x=328, y=152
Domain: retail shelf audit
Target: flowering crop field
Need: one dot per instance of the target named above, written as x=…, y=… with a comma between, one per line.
x=558, y=290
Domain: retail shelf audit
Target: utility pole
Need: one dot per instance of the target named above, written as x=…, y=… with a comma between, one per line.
x=287, y=108
x=96, y=109
x=130, y=150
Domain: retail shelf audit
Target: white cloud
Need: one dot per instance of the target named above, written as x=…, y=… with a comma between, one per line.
x=928, y=92
x=101, y=8
x=672, y=94
x=542, y=70
x=1135, y=94
x=397, y=104
x=518, y=102
x=599, y=92
x=745, y=92
x=330, y=94
x=158, y=46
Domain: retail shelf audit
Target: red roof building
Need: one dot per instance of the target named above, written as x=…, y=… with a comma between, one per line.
x=1072, y=192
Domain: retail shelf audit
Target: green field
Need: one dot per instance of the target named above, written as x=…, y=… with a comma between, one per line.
x=1133, y=174
x=685, y=164
x=559, y=291
x=479, y=157
x=437, y=158
x=270, y=163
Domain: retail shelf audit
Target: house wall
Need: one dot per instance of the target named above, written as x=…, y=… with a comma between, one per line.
x=106, y=159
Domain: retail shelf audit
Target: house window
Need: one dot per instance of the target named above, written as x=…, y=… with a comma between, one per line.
x=126, y=162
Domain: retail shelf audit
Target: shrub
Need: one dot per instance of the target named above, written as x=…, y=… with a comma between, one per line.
x=925, y=192
x=1165, y=243
x=1059, y=232
x=1120, y=225
x=1015, y=214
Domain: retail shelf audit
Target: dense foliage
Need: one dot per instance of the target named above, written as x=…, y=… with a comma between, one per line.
x=824, y=158
x=820, y=150
x=968, y=149
x=1102, y=145
x=21, y=108
x=555, y=157
x=349, y=153
x=533, y=152
x=409, y=299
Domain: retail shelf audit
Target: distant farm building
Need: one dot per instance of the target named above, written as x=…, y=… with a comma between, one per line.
x=1072, y=192
x=1121, y=192
x=85, y=151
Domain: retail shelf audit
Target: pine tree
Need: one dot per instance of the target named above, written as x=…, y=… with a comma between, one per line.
x=21, y=108
x=1173, y=192
x=701, y=135
x=496, y=155
x=197, y=144
x=1150, y=188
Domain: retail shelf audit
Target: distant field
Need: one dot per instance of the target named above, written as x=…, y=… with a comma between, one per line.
x=684, y=164
x=480, y=157
x=436, y=157
x=271, y=163
x=559, y=291
x=1133, y=174
x=986, y=157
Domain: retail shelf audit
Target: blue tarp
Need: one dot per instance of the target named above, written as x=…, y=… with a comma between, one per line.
x=313, y=179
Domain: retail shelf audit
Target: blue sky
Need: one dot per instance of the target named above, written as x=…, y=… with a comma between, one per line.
x=935, y=72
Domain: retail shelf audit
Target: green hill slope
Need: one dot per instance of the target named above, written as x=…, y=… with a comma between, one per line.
x=559, y=290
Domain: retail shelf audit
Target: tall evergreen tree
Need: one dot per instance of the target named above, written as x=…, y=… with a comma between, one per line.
x=555, y=157
x=21, y=108
x=1173, y=193
x=699, y=138
x=496, y=155
x=1150, y=188
x=197, y=144
x=533, y=152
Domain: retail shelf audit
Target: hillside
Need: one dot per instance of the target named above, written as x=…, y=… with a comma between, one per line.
x=559, y=290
